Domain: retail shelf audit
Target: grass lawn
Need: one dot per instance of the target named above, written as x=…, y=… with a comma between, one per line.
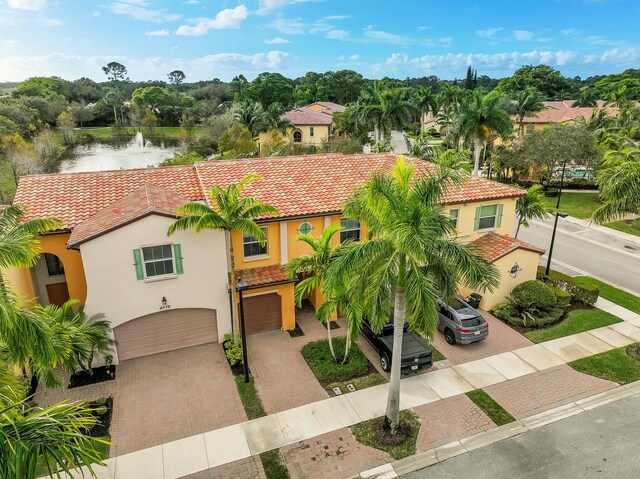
x=490, y=407
x=102, y=449
x=613, y=294
x=273, y=466
x=615, y=365
x=106, y=132
x=250, y=399
x=577, y=321
x=436, y=355
x=370, y=434
x=624, y=227
x=362, y=382
x=7, y=184
x=578, y=205
x=318, y=357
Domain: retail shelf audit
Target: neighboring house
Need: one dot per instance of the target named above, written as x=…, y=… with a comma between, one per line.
x=162, y=293
x=310, y=125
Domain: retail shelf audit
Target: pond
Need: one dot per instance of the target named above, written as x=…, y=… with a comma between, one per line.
x=117, y=155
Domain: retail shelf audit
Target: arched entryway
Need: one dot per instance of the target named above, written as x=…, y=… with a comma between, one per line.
x=50, y=280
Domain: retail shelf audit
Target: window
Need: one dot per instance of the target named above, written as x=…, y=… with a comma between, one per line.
x=54, y=265
x=488, y=216
x=297, y=137
x=350, y=230
x=305, y=228
x=158, y=260
x=252, y=246
x=311, y=131
x=453, y=217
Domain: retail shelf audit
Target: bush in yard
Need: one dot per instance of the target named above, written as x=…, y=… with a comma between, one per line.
x=533, y=294
x=233, y=351
x=534, y=305
x=563, y=299
x=504, y=311
x=585, y=294
x=318, y=357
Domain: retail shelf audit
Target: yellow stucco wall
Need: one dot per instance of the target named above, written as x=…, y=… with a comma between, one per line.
x=273, y=249
x=467, y=214
x=295, y=248
x=320, y=135
x=287, y=305
x=20, y=283
x=527, y=260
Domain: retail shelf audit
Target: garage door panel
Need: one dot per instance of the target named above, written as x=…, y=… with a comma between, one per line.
x=262, y=312
x=166, y=331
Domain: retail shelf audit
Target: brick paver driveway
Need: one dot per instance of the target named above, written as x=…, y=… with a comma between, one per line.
x=501, y=339
x=164, y=397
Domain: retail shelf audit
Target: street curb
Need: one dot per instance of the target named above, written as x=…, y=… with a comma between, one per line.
x=603, y=229
x=447, y=451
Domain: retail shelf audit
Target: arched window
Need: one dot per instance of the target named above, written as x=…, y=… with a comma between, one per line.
x=297, y=137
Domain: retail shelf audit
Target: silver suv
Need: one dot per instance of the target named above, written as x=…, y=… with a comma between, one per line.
x=460, y=323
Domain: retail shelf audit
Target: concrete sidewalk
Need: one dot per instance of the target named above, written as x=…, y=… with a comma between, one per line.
x=222, y=446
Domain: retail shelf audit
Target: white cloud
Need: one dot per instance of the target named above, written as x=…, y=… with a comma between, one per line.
x=338, y=35
x=32, y=5
x=489, y=32
x=354, y=57
x=335, y=17
x=522, y=35
x=386, y=37
x=289, y=26
x=569, y=32
x=277, y=40
x=158, y=33
x=267, y=6
x=11, y=42
x=445, y=40
x=138, y=10
x=227, y=18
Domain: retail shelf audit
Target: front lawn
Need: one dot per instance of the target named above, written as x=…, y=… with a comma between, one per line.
x=577, y=321
x=490, y=407
x=615, y=365
x=578, y=205
x=625, y=227
x=250, y=398
x=613, y=294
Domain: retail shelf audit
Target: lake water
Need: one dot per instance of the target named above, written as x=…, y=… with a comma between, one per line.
x=104, y=156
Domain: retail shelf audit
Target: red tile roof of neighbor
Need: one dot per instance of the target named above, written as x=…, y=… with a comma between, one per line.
x=295, y=185
x=560, y=115
x=275, y=273
x=329, y=107
x=494, y=246
x=307, y=116
x=144, y=201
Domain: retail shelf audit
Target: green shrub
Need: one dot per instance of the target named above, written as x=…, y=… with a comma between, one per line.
x=585, y=294
x=563, y=299
x=233, y=351
x=318, y=357
x=533, y=294
x=504, y=311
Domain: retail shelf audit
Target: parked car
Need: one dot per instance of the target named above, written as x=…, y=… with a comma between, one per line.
x=460, y=323
x=416, y=353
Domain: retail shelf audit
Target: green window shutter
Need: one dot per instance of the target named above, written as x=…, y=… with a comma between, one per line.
x=137, y=262
x=177, y=254
x=476, y=224
x=499, y=216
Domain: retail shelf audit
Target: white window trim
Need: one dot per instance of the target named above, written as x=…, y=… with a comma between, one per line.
x=162, y=277
x=495, y=218
x=257, y=257
x=455, y=224
x=345, y=230
x=312, y=131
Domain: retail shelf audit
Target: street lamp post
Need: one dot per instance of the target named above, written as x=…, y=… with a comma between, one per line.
x=564, y=167
x=245, y=362
x=558, y=215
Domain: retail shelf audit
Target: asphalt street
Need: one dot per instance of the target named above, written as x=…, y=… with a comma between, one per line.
x=579, y=250
x=602, y=443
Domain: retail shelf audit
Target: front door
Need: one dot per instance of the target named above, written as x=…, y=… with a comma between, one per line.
x=58, y=293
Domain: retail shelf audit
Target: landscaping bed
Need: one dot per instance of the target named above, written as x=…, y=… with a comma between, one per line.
x=613, y=294
x=97, y=375
x=621, y=365
x=631, y=227
x=403, y=444
x=357, y=370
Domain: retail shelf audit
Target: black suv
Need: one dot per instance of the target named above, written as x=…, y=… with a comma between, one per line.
x=416, y=353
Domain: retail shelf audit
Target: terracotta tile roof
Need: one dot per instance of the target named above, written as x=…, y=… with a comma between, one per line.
x=141, y=202
x=307, y=116
x=320, y=184
x=561, y=115
x=275, y=273
x=74, y=197
x=494, y=246
x=329, y=107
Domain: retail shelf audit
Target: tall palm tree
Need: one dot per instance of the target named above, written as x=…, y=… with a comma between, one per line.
x=54, y=436
x=273, y=118
x=480, y=118
x=426, y=101
x=619, y=182
x=412, y=257
x=231, y=211
x=526, y=103
x=530, y=206
x=252, y=115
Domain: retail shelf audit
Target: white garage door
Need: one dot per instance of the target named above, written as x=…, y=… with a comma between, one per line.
x=166, y=331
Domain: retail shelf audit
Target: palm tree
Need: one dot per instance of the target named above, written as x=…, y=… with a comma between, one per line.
x=426, y=101
x=411, y=258
x=54, y=435
x=526, y=103
x=273, y=119
x=480, y=118
x=619, y=182
x=231, y=211
x=252, y=115
x=530, y=206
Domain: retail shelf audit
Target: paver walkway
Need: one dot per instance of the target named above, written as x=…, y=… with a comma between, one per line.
x=288, y=428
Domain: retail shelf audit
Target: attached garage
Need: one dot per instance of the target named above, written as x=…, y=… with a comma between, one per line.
x=166, y=331
x=262, y=312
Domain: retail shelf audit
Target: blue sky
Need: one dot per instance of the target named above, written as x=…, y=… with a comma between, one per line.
x=208, y=38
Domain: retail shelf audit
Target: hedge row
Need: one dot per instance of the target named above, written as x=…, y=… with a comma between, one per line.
x=585, y=294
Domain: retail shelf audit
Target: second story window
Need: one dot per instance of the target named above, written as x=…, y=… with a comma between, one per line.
x=54, y=265
x=158, y=260
x=488, y=216
x=252, y=246
x=297, y=137
x=350, y=230
x=311, y=131
x=453, y=217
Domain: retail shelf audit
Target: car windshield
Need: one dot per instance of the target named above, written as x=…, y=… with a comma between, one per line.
x=459, y=305
x=473, y=321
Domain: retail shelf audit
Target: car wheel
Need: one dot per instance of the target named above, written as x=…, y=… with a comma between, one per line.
x=449, y=336
x=385, y=364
